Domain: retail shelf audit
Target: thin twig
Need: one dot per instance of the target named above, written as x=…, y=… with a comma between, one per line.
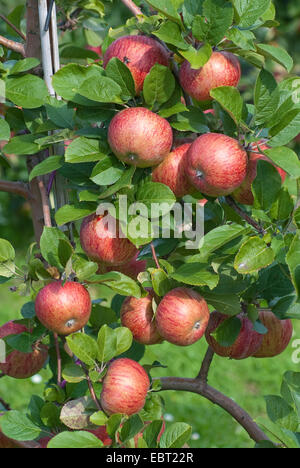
x=12, y=45
x=19, y=188
x=45, y=202
x=154, y=255
x=203, y=374
x=132, y=7
x=12, y=26
x=242, y=214
x=59, y=378
x=91, y=388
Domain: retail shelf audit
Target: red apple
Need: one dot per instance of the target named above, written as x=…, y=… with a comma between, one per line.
x=63, y=308
x=182, y=316
x=216, y=164
x=5, y=442
x=243, y=194
x=171, y=171
x=222, y=69
x=131, y=269
x=140, y=137
x=125, y=387
x=138, y=316
x=22, y=365
x=140, y=54
x=104, y=244
x=246, y=344
x=278, y=337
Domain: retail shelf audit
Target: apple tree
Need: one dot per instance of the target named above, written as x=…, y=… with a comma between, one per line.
x=147, y=117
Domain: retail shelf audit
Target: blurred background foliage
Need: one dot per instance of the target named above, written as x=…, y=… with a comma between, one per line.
x=244, y=381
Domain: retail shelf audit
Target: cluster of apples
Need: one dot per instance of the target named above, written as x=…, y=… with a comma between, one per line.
x=214, y=164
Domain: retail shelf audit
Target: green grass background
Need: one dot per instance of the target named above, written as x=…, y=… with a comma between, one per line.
x=246, y=382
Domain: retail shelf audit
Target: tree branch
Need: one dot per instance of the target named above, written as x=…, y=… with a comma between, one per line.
x=203, y=374
x=12, y=45
x=216, y=397
x=59, y=377
x=18, y=188
x=132, y=7
x=230, y=201
x=12, y=26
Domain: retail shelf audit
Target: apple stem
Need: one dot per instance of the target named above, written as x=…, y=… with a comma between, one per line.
x=242, y=214
x=154, y=255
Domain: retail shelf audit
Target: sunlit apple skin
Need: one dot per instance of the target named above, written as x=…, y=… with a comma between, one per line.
x=278, y=337
x=182, y=316
x=140, y=137
x=22, y=365
x=216, y=164
x=246, y=344
x=63, y=308
x=131, y=269
x=243, y=194
x=171, y=171
x=104, y=244
x=125, y=387
x=140, y=54
x=138, y=315
x=222, y=69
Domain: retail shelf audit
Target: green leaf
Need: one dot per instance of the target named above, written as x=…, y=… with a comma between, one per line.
x=131, y=427
x=190, y=9
x=281, y=413
x=101, y=89
x=124, y=181
x=160, y=282
x=7, y=252
x=60, y=113
x=196, y=274
x=4, y=130
x=155, y=193
x=253, y=256
x=219, y=15
x=83, y=150
x=22, y=145
x=107, y=344
x=108, y=171
x=231, y=100
x=266, y=97
x=24, y=65
x=69, y=213
x=293, y=261
x=249, y=11
x=170, y=33
x=52, y=163
x=28, y=91
x=124, y=340
x=278, y=54
x=151, y=433
x=70, y=78
x=220, y=236
x=77, y=439
x=229, y=330
x=169, y=9
x=285, y=158
x=119, y=283
x=266, y=194
x=197, y=57
x=176, y=436
x=99, y=418
x=50, y=242
x=120, y=74
x=73, y=373
x=17, y=426
x=286, y=130
x=159, y=85
x=243, y=39
x=84, y=347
